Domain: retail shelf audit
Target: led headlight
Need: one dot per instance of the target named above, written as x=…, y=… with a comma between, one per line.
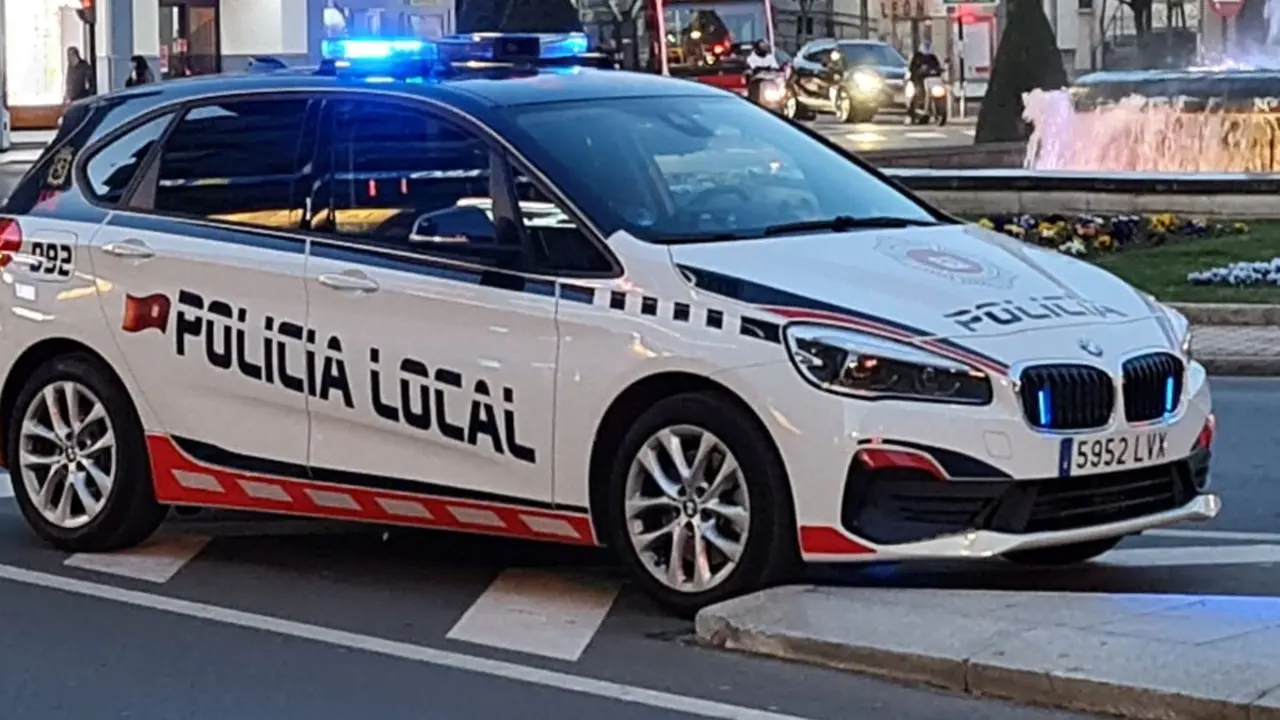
x=1173, y=321
x=865, y=82
x=772, y=93
x=938, y=91
x=852, y=363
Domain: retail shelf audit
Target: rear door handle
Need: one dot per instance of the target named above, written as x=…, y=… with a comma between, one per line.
x=350, y=281
x=129, y=249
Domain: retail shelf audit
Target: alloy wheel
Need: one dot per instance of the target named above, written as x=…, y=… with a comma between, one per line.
x=688, y=511
x=67, y=454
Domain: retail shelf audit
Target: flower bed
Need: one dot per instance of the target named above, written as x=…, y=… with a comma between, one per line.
x=1091, y=235
x=1239, y=274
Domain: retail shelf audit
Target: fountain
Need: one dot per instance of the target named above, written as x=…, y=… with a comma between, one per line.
x=1218, y=119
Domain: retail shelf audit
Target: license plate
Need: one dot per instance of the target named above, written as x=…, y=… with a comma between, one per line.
x=1086, y=456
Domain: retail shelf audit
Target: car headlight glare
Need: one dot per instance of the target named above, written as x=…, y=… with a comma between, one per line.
x=772, y=93
x=865, y=83
x=860, y=365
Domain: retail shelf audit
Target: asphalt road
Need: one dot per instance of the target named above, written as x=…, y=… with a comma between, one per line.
x=282, y=618
x=889, y=132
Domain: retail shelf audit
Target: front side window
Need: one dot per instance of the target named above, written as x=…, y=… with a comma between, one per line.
x=238, y=161
x=703, y=167
x=400, y=178
x=711, y=37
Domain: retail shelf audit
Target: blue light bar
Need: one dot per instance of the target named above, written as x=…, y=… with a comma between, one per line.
x=346, y=49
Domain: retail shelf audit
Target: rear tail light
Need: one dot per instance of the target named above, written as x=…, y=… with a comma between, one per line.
x=10, y=239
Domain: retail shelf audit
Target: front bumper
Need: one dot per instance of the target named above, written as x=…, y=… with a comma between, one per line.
x=976, y=481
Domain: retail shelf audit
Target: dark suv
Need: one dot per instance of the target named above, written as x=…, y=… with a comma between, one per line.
x=851, y=79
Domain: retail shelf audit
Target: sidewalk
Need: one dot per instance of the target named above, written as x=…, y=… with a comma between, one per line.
x=1135, y=656
x=1235, y=339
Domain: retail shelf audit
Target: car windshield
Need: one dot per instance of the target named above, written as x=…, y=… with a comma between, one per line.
x=669, y=169
x=864, y=54
x=710, y=37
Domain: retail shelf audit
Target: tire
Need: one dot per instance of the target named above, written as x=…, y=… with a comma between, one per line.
x=1064, y=554
x=865, y=115
x=127, y=512
x=790, y=107
x=842, y=106
x=769, y=552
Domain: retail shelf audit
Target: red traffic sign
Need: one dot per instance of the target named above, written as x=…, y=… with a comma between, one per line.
x=1226, y=8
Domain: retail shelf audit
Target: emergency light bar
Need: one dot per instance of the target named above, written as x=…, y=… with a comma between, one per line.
x=392, y=57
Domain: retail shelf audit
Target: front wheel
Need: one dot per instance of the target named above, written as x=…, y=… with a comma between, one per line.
x=78, y=459
x=1064, y=554
x=700, y=509
x=843, y=107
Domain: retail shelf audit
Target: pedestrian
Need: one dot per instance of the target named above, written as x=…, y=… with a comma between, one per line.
x=141, y=74
x=79, y=77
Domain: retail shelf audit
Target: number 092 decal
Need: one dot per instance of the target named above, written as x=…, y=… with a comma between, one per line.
x=52, y=259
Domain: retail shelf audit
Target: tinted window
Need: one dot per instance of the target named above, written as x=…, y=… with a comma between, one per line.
x=401, y=178
x=112, y=169
x=856, y=54
x=239, y=161
x=701, y=167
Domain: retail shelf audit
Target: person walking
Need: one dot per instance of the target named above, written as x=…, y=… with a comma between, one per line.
x=79, y=77
x=141, y=74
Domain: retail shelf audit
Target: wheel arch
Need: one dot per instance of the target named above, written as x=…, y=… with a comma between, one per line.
x=634, y=400
x=33, y=357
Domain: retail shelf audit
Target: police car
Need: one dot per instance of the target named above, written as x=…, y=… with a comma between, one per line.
x=472, y=285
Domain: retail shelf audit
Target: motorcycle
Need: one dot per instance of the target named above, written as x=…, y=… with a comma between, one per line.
x=767, y=87
x=934, y=104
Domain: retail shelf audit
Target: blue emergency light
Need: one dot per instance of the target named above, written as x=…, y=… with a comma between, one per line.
x=403, y=57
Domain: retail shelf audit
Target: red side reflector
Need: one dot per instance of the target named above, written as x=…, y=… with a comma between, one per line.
x=1205, y=439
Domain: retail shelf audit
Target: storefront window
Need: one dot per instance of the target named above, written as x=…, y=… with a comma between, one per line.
x=39, y=33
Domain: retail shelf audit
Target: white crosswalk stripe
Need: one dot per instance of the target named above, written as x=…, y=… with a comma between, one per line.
x=156, y=561
x=538, y=613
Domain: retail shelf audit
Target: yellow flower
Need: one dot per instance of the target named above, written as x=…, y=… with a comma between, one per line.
x=984, y=222
x=1103, y=242
x=1240, y=227
x=1014, y=230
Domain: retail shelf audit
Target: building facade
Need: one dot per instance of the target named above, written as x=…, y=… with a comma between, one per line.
x=180, y=38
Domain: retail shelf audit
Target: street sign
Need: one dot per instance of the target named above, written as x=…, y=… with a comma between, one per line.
x=1226, y=8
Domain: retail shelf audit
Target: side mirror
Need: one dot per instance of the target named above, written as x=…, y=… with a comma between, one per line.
x=455, y=226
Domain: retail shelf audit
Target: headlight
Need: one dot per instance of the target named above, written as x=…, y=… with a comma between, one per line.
x=772, y=93
x=1180, y=327
x=865, y=83
x=938, y=91
x=860, y=365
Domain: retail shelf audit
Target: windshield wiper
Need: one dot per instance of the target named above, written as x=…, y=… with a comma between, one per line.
x=841, y=223
x=695, y=239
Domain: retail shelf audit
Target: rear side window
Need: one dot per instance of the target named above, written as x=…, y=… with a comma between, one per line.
x=237, y=161
x=112, y=168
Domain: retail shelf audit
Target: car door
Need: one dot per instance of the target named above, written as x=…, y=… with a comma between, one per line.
x=202, y=270
x=439, y=370
x=815, y=80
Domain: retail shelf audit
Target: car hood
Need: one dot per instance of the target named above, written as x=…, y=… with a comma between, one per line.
x=954, y=282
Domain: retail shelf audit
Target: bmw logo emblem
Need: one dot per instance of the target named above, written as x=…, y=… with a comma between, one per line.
x=1091, y=347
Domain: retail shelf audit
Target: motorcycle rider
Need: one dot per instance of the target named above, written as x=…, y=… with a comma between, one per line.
x=924, y=63
x=761, y=58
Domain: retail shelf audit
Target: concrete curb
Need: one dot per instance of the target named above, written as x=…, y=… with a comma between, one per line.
x=1229, y=313
x=1243, y=366
x=1053, y=665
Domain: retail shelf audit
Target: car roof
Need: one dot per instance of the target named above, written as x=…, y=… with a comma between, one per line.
x=468, y=90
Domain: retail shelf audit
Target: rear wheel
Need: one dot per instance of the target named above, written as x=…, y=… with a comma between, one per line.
x=1064, y=554
x=700, y=509
x=78, y=459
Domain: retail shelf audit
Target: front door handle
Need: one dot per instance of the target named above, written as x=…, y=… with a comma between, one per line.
x=350, y=281
x=129, y=249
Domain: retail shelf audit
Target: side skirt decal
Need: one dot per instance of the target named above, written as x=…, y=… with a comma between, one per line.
x=182, y=480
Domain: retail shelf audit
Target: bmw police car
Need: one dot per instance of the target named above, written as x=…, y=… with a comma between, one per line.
x=472, y=285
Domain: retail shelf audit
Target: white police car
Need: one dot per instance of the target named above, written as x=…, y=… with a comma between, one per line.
x=474, y=286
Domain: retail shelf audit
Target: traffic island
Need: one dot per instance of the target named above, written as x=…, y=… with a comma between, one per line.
x=1157, y=657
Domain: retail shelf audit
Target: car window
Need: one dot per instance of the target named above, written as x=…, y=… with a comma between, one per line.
x=865, y=54
x=237, y=161
x=704, y=166
x=112, y=168
x=403, y=179
x=817, y=53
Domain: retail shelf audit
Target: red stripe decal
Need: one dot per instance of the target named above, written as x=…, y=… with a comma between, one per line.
x=821, y=540
x=181, y=480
